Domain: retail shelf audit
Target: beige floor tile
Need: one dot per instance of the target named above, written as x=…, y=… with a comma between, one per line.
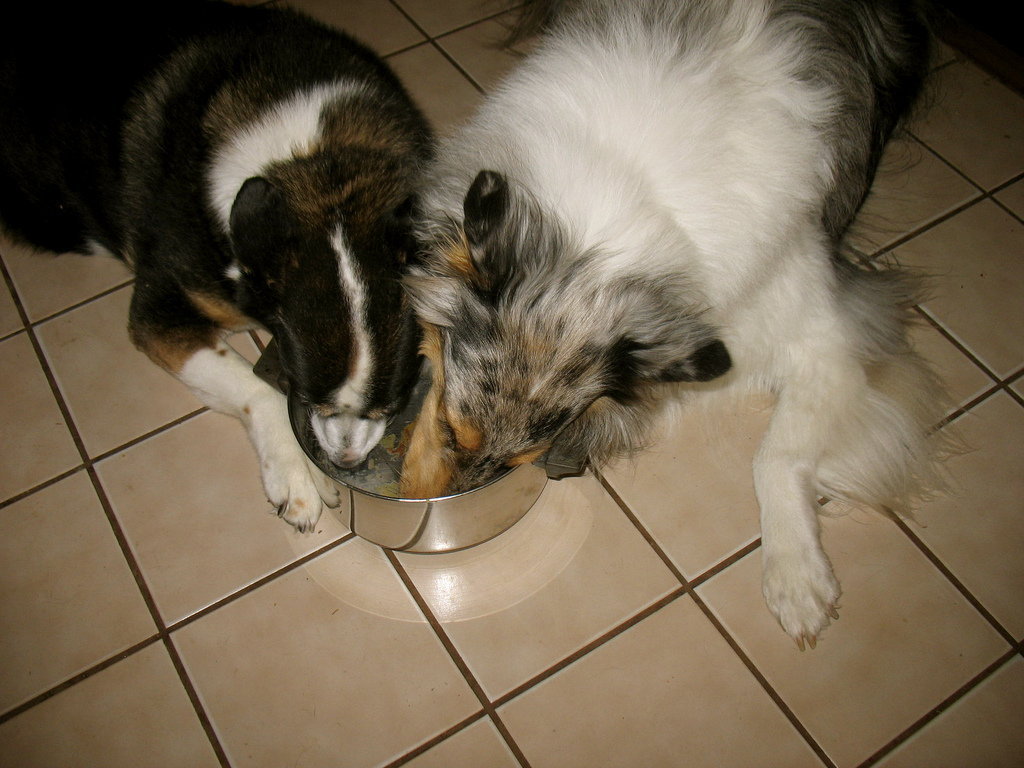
x=694, y=489
x=977, y=124
x=982, y=729
x=913, y=187
x=440, y=17
x=373, y=591
x=976, y=260
x=10, y=320
x=377, y=23
x=523, y=602
x=194, y=512
x=132, y=714
x=35, y=444
x=1013, y=198
x=47, y=283
x=979, y=531
x=114, y=392
x=290, y=674
x=905, y=640
x=68, y=600
x=478, y=746
x=477, y=50
x=669, y=691
x=963, y=379
x=446, y=97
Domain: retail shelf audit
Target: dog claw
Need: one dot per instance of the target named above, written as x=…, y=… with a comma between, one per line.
x=833, y=612
x=800, y=643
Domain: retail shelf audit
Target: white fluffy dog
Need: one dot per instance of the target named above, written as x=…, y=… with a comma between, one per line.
x=657, y=196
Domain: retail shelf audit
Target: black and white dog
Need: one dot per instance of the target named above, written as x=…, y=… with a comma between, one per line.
x=658, y=196
x=254, y=168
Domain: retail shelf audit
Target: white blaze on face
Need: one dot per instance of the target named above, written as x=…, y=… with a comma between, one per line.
x=346, y=437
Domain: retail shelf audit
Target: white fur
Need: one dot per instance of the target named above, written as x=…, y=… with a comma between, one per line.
x=283, y=132
x=713, y=164
x=223, y=380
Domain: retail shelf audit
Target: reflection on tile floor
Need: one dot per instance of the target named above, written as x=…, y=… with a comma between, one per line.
x=154, y=612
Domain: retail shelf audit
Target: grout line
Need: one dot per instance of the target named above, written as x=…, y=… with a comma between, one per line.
x=197, y=705
x=488, y=707
x=164, y=632
x=690, y=589
x=763, y=681
x=108, y=511
x=439, y=739
x=261, y=582
x=936, y=561
x=939, y=709
x=592, y=646
x=100, y=457
x=74, y=680
x=152, y=433
x=84, y=302
x=433, y=40
x=41, y=486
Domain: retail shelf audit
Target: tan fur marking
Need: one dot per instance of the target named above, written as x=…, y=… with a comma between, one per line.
x=468, y=436
x=528, y=457
x=425, y=474
x=430, y=348
x=458, y=255
x=172, y=349
x=223, y=313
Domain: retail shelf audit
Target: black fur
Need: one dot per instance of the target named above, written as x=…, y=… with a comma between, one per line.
x=119, y=140
x=112, y=148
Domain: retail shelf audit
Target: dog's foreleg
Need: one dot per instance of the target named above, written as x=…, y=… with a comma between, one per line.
x=194, y=351
x=797, y=578
x=223, y=380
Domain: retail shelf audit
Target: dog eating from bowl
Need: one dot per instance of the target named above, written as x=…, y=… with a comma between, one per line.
x=656, y=201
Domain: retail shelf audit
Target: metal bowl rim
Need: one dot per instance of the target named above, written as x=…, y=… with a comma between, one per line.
x=294, y=404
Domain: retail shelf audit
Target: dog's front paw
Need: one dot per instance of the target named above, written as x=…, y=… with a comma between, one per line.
x=293, y=490
x=801, y=591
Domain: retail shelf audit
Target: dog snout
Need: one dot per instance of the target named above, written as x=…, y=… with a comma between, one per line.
x=347, y=440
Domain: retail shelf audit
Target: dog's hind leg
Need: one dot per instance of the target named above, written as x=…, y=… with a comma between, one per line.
x=223, y=380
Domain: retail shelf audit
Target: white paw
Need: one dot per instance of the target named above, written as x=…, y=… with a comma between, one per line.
x=801, y=591
x=325, y=487
x=293, y=490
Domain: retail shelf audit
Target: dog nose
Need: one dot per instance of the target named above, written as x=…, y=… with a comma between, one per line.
x=349, y=459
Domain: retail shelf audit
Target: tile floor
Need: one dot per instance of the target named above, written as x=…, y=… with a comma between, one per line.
x=153, y=611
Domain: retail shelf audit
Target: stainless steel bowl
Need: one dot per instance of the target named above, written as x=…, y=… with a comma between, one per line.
x=372, y=509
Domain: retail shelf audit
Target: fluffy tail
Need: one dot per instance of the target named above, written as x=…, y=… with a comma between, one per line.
x=892, y=440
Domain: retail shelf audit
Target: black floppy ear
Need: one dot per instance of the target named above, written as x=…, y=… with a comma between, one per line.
x=633, y=363
x=486, y=207
x=706, y=363
x=260, y=225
